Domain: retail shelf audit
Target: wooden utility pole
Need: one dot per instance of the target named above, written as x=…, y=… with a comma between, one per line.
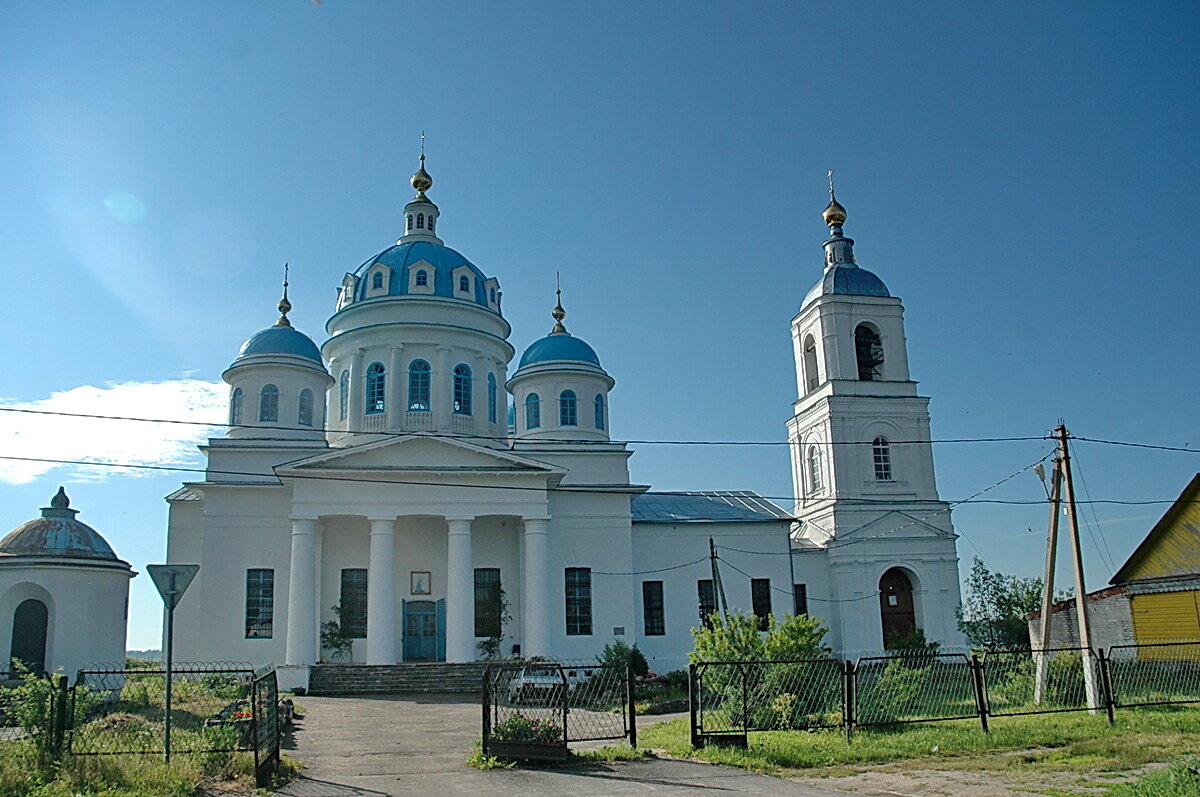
x=718, y=587
x=1040, y=656
x=1085, y=636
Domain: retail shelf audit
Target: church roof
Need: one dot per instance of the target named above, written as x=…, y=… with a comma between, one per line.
x=846, y=279
x=404, y=255
x=57, y=533
x=735, y=506
x=559, y=347
x=281, y=340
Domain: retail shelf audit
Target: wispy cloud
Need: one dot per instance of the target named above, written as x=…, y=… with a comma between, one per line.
x=91, y=439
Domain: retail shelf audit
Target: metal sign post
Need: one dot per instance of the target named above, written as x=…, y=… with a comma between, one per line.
x=172, y=581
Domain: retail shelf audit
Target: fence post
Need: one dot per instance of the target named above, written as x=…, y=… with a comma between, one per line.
x=849, y=697
x=631, y=686
x=694, y=704
x=487, y=708
x=977, y=680
x=256, y=719
x=58, y=714
x=745, y=702
x=1106, y=690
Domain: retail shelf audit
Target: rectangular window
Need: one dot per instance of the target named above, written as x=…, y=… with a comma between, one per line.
x=579, y=601
x=487, y=601
x=799, y=599
x=708, y=600
x=652, y=609
x=260, y=603
x=354, y=602
x=760, y=597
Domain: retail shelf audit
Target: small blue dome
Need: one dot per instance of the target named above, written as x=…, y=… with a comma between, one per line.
x=847, y=279
x=281, y=340
x=560, y=346
x=402, y=256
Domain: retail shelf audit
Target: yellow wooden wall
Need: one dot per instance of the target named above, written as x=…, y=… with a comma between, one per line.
x=1165, y=617
x=1173, y=551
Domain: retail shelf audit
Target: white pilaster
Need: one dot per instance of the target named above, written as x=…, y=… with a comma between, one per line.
x=442, y=389
x=536, y=622
x=460, y=620
x=354, y=417
x=381, y=593
x=396, y=398
x=301, y=646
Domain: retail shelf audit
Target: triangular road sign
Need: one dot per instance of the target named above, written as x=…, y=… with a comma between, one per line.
x=172, y=581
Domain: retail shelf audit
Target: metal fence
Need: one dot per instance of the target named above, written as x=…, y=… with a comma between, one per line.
x=535, y=709
x=264, y=698
x=729, y=699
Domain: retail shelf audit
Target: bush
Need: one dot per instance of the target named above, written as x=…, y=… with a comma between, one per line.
x=893, y=695
x=620, y=655
x=738, y=638
x=519, y=728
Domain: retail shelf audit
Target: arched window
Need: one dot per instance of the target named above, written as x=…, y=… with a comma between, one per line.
x=343, y=395
x=811, y=377
x=599, y=407
x=305, y=416
x=491, y=398
x=423, y=278
x=568, y=409
x=420, y=221
x=235, y=407
x=881, y=450
x=377, y=280
x=533, y=411
x=408, y=223
x=268, y=404
x=464, y=283
x=375, y=387
x=418, y=385
x=814, y=469
x=462, y=389
x=431, y=220
x=868, y=350
x=30, y=623
x=492, y=294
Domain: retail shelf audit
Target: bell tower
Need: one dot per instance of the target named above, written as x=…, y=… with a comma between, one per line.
x=862, y=463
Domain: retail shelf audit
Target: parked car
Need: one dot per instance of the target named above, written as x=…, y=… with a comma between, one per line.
x=544, y=683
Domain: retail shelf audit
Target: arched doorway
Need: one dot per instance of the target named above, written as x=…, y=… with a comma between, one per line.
x=896, y=608
x=29, y=634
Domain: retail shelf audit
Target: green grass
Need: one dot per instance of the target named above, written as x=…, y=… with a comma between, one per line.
x=1076, y=741
x=1180, y=779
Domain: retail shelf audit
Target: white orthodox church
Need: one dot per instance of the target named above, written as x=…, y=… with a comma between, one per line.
x=400, y=473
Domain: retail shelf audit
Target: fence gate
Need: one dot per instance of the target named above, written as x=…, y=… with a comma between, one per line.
x=535, y=709
x=265, y=702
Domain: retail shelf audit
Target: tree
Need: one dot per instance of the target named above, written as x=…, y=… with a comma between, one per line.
x=738, y=638
x=995, y=611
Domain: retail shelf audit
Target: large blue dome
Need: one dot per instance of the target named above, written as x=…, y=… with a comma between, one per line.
x=559, y=346
x=846, y=279
x=281, y=340
x=401, y=256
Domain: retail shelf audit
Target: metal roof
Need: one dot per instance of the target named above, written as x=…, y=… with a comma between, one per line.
x=725, y=506
x=846, y=279
x=559, y=347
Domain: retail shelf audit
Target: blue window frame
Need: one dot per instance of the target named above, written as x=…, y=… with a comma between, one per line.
x=268, y=404
x=568, y=409
x=533, y=411
x=305, y=414
x=422, y=278
x=343, y=395
x=462, y=389
x=599, y=408
x=376, y=379
x=418, y=386
x=491, y=398
x=235, y=407
x=377, y=280
x=464, y=283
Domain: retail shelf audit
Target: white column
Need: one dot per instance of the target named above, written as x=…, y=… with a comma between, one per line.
x=536, y=622
x=397, y=401
x=460, y=582
x=318, y=553
x=479, y=397
x=381, y=593
x=301, y=647
x=354, y=415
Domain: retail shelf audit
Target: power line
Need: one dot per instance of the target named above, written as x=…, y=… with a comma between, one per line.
x=1184, y=449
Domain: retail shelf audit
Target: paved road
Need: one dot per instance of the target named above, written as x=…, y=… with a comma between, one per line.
x=371, y=746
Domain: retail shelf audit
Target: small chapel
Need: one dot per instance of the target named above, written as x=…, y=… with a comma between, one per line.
x=401, y=483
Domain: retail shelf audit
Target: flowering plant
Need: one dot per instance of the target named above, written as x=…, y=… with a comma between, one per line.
x=519, y=728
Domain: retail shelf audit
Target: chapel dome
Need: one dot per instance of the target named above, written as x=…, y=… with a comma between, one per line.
x=57, y=533
x=846, y=279
x=403, y=256
x=559, y=346
x=281, y=340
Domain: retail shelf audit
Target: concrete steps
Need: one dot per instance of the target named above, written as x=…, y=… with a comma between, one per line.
x=396, y=679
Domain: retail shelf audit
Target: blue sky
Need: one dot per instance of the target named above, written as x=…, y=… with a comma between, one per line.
x=1022, y=175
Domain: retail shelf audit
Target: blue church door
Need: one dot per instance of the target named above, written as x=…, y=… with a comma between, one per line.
x=424, y=631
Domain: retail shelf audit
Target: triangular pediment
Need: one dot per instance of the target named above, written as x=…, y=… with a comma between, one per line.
x=419, y=453
x=894, y=524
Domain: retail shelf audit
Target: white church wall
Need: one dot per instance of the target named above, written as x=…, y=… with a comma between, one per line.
x=810, y=567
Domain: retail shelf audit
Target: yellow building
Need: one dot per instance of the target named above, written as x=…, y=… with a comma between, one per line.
x=1162, y=576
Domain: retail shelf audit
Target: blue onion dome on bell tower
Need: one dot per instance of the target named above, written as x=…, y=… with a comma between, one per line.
x=843, y=276
x=281, y=341
x=420, y=264
x=58, y=534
